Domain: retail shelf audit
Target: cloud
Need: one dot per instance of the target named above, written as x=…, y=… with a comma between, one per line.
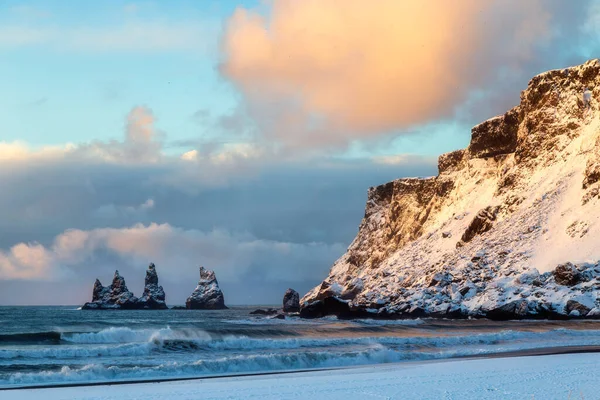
x=178, y=252
x=325, y=72
x=27, y=261
x=19, y=151
x=108, y=211
x=265, y=220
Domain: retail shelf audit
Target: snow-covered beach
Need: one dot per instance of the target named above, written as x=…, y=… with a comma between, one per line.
x=563, y=376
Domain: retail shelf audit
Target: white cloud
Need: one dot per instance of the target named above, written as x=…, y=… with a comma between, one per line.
x=19, y=151
x=191, y=155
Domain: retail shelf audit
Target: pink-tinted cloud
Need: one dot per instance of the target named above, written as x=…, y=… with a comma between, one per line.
x=180, y=251
x=328, y=71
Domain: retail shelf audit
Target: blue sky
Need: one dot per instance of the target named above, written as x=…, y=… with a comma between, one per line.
x=92, y=88
x=240, y=135
x=62, y=83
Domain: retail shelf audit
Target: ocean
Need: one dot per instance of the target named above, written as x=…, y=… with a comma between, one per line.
x=65, y=345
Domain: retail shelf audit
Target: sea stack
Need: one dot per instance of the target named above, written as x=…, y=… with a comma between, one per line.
x=291, y=301
x=118, y=297
x=154, y=295
x=207, y=295
x=114, y=296
x=508, y=229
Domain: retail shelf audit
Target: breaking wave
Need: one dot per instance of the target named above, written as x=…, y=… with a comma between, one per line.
x=123, y=342
x=377, y=353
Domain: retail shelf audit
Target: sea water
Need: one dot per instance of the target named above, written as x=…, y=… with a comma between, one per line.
x=58, y=345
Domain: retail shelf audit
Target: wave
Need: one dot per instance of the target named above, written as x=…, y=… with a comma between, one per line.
x=123, y=342
x=67, y=352
x=563, y=335
x=127, y=335
x=245, y=363
x=207, y=367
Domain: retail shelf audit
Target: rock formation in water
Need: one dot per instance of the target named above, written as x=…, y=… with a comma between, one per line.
x=154, y=295
x=508, y=229
x=116, y=296
x=291, y=301
x=207, y=295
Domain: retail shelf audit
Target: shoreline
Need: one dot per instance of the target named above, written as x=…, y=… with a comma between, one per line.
x=558, y=376
x=538, y=352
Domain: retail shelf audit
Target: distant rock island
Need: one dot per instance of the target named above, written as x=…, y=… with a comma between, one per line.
x=207, y=295
x=291, y=306
x=117, y=296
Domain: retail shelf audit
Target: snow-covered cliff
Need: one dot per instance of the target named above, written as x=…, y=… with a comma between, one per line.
x=484, y=238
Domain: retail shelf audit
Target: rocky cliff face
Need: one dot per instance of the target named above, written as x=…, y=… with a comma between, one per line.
x=117, y=295
x=207, y=295
x=491, y=234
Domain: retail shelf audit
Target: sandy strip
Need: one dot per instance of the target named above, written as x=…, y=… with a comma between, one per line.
x=574, y=376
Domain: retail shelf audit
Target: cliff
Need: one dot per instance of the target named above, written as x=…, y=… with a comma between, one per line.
x=508, y=229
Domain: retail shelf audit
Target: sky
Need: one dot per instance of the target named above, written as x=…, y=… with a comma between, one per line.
x=239, y=135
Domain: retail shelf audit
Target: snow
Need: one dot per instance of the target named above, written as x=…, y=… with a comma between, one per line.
x=539, y=377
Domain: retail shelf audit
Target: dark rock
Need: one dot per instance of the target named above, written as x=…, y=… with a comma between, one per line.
x=416, y=312
x=179, y=308
x=440, y=279
x=592, y=173
x=207, y=295
x=327, y=306
x=278, y=316
x=115, y=296
x=291, y=301
x=352, y=289
x=567, y=275
x=483, y=222
x=464, y=290
x=495, y=136
x=517, y=309
x=268, y=311
x=336, y=306
x=315, y=309
x=154, y=296
x=99, y=291
x=573, y=305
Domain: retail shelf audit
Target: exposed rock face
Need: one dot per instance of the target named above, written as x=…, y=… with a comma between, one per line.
x=291, y=301
x=207, y=295
x=117, y=296
x=483, y=222
x=493, y=234
x=451, y=162
x=567, y=274
x=495, y=136
x=154, y=295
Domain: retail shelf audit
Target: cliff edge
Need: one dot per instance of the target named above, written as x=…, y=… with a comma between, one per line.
x=507, y=230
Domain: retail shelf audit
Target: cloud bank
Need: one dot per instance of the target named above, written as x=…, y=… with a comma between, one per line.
x=325, y=72
x=263, y=221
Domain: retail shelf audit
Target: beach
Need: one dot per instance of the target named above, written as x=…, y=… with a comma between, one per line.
x=560, y=376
